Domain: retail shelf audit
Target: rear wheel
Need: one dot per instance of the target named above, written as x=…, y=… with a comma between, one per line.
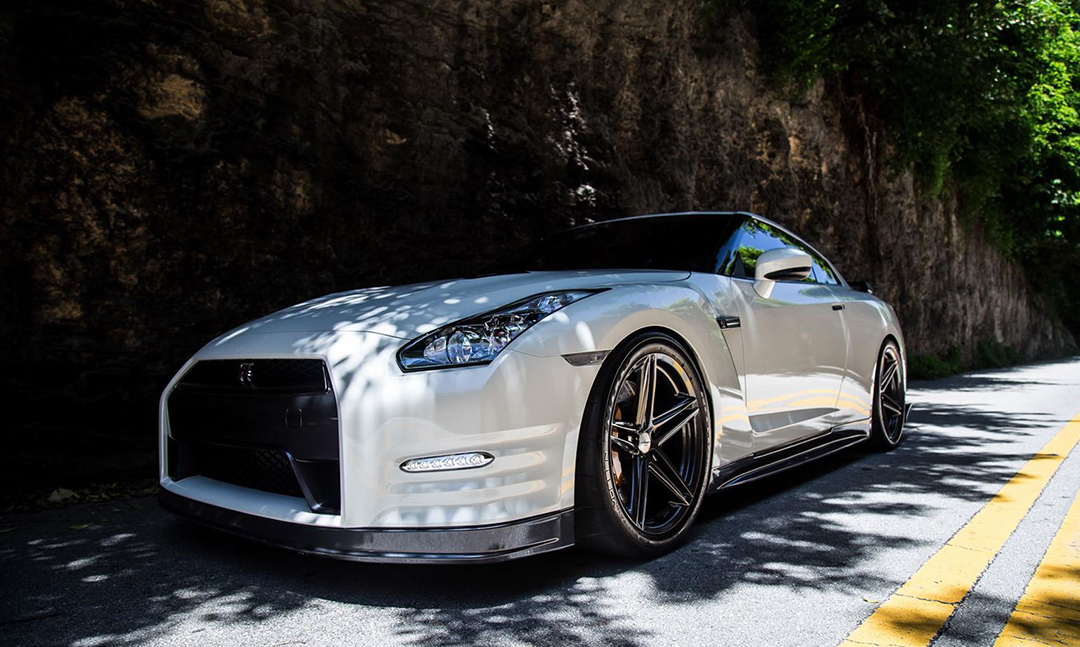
x=890, y=397
x=645, y=449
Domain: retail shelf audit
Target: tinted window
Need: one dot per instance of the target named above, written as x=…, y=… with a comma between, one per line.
x=822, y=271
x=687, y=242
x=754, y=238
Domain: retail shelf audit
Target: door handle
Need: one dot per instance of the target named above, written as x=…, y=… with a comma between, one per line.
x=837, y=306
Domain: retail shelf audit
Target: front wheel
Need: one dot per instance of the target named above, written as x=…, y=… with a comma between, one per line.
x=645, y=450
x=890, y=396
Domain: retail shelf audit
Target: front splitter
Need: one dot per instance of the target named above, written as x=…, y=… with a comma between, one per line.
x=476, y=544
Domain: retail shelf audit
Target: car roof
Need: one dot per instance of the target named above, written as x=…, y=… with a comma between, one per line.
x=675, y=214
x=744, y=214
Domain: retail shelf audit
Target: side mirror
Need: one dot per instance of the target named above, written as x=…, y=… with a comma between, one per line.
x=862, y=286
x=787, y=264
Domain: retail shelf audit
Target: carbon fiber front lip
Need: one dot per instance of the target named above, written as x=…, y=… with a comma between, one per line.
x=476, y=545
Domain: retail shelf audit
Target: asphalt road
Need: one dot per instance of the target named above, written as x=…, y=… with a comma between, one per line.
x=802, y=559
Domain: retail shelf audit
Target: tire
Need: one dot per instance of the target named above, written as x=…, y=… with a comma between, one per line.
x=890, y=397
x=627, y=448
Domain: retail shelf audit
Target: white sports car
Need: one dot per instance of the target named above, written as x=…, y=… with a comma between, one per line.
x=592, y=388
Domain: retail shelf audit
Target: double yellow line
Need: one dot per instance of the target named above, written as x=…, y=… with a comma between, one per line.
x=1049, y=611
x=917, y=611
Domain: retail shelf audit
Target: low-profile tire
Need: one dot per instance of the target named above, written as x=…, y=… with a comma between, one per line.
x=890, y=397
x=645, y=449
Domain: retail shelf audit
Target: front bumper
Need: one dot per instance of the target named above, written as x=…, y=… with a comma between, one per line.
x=477, y=544
x=523, y=410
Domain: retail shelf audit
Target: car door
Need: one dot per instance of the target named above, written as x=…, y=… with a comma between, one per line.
x=794, y=344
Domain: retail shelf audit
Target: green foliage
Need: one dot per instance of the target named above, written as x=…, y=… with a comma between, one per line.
x=990, y=353
x=981, y=98
x=932, y=367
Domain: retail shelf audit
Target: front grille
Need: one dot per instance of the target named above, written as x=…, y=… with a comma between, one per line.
x=278, y=375
x=265, y=424
x=258, y=469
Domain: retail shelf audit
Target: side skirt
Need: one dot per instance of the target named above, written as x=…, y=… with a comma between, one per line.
x=784, y=457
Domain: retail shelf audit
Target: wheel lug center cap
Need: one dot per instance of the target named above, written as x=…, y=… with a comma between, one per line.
x=644, y=442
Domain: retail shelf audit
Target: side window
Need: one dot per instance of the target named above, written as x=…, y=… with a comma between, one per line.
x=738, y=257
x=756, y=238
x=753, y=239
x=728, y=257
x=823, y=272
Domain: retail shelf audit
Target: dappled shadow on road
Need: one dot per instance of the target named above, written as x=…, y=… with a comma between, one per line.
x=136, y=574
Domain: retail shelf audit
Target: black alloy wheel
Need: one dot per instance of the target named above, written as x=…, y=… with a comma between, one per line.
x=645, y=455
x=890, y=397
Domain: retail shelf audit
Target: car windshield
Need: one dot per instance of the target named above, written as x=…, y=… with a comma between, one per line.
x=686, y=242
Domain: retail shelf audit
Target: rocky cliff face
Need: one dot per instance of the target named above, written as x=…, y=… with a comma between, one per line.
x=171, y=168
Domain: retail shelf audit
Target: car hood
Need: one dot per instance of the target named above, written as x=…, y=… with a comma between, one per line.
x=409, y=310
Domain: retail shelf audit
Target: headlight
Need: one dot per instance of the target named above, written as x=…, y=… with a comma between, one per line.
x=479, y=339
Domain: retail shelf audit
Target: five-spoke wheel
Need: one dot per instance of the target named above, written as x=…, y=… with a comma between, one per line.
x=648, y=446
x=890, y=390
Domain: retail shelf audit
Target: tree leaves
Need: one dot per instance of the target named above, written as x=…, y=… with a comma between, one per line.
x=981, y=99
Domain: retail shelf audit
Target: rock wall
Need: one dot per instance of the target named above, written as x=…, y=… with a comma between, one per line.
x=171, y=168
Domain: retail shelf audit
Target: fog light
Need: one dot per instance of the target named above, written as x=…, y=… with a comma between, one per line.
x=468, y=460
